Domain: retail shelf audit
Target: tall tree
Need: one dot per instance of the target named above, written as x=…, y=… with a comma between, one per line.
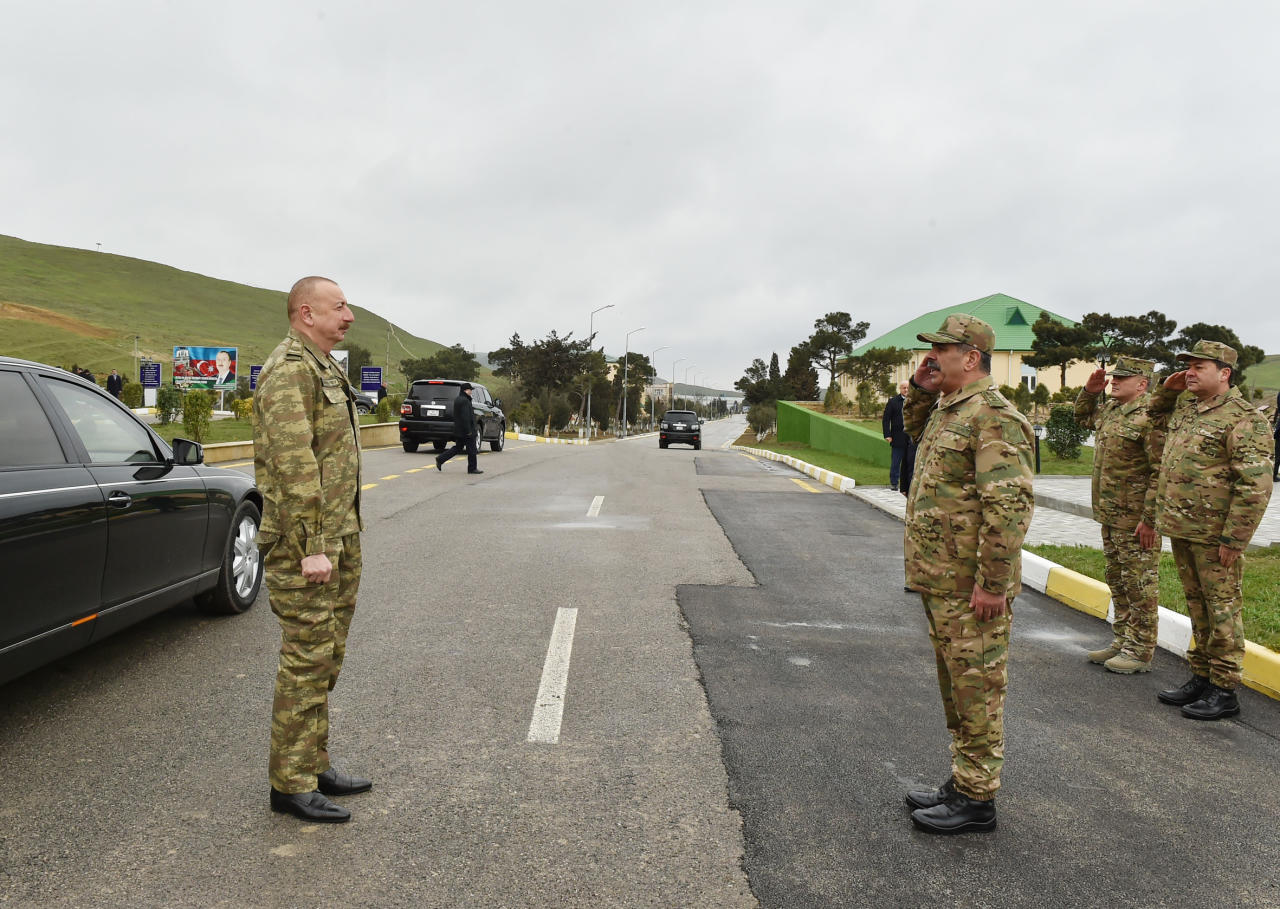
x=875, y=366
x=754, y=383
x=800, y=381
x=357, y=357
x=1145, y=336
x=638, y=371
x=833, y=337
x=550, y=365
x=1058, y=345
x=454, y=362
x=1202, y=331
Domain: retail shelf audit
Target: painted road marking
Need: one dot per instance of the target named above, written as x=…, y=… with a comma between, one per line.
x=415, y=469
x=747, y=456
x=394, y=476
x=594, y=510
x=368, y=486
x=548, y=709
x=803, y=485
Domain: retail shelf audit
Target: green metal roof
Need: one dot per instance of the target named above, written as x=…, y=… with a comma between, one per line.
x=1010, y=317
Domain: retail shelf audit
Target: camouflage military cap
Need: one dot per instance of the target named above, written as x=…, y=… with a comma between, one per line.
x=1132, y=366
x=960, y=328
x=1211, y=350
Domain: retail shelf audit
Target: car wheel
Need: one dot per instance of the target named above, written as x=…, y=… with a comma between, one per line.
x=439, y=445
x=363, y=409
x=697, y=446
x=240, y=576
x=496, y=444
x=662, y=444
x=409, y=445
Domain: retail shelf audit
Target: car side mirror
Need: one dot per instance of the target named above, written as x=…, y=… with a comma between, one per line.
x=187, y=452
x=497, y=402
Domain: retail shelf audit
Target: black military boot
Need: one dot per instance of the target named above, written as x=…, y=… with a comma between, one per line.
x=958, y=814
x=1216, y=704
x=927, y=798
x=1189, y=691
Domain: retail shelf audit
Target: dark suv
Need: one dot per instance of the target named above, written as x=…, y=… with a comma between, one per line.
x=682, y=426
x=427, y=415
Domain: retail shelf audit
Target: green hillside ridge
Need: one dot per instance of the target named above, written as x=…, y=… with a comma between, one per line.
x=63, y=306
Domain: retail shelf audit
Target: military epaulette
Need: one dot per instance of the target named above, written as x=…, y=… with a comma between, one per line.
x=994, y=398
x=294, y=353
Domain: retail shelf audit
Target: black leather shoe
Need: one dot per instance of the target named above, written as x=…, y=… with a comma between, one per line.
x=477, y=470
x=1216, y=704
x=310, y=806
x=958, y=814
x=928, y=798
x=331, y=782
x=1189, y=691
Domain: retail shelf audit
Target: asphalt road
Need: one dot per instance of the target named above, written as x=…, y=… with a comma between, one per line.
x=748, y=693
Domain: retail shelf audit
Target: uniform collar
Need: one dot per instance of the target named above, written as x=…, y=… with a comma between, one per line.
x=967, y=391
x=324, y=360
x=1216, y=400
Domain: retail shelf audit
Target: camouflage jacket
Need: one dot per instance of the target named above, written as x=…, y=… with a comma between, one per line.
x=1215, y=477
x=306, y=447
x=1126, y=459
x=971, y=498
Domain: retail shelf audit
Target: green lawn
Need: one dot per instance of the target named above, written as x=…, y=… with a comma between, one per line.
x=225, y=430
x=1261, y=585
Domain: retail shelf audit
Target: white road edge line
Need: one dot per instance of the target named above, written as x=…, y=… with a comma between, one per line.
x=548, y=709
x=594, y=510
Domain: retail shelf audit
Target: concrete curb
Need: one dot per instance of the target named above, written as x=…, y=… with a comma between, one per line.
x=1261, y=665
x=526, y=437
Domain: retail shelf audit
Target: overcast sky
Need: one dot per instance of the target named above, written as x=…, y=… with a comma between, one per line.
x=723, y=173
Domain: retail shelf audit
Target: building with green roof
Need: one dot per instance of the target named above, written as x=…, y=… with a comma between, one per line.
x=1012, y=320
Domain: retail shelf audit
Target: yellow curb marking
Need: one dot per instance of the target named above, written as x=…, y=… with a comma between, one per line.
x=802, y=484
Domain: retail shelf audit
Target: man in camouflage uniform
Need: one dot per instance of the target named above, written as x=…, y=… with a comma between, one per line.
x=307, y=462
x=967, y=512
x=1126, y=462
x=1215, y=482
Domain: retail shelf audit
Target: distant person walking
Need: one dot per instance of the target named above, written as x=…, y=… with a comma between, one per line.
x=902, y=446
x=115, y=384
x=1275, y=432
x=382, y=391
x=464, y=431
x=307, y=462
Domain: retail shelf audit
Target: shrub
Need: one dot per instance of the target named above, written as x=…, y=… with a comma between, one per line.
x=131, y=394
x=868, y=406
x=1063, y=434
x=243, y=409
x=761, y=417
x=168, y=403
x=197, y=413
x=384, y=410
x=834, y=400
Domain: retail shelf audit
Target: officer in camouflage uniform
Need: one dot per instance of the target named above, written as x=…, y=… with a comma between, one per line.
x=1215, y=482
x=968, y=510
x=1126, y=472
x=307, y=462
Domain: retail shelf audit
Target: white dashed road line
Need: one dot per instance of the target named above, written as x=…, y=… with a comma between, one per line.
x=548, y=709
x=594, y=510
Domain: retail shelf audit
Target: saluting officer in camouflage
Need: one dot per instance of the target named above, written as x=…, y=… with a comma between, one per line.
x=1215, y=482
x=307, y=461
x=967, y=512
x=1126, y=472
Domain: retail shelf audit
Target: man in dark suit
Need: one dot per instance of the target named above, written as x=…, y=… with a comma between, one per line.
x=903, y=462
x=115, y=384
x=464, y=431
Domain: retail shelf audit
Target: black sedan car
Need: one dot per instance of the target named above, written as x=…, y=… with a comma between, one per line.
x=102, y=523
x=680, y=426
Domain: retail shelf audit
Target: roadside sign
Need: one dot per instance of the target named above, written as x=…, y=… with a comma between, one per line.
x=370, y=378
x=149, y=374
x=253, y=377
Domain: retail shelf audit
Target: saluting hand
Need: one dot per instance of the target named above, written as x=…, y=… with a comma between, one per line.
x=1097, y=381
x=1177, y=381
x=927, y=375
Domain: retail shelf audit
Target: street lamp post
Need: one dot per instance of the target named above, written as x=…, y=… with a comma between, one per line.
x=686, y=374
x=591, y=334
x=671, y=398
x=626, y=352
x=653, y=360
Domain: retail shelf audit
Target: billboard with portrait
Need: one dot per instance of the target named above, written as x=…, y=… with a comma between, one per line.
x=205, y=367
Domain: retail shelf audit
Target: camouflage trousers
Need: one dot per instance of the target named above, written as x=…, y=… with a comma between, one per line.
x=314, y=621
x=1133, y=574
x=1214, y=601
x=972, y=658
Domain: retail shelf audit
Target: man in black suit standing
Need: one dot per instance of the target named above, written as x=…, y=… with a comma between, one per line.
x=115, y=384
x=464, y=431
x=903, y=462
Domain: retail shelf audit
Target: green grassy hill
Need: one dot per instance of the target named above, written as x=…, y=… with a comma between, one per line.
x=63, y=306
x=1265, y=375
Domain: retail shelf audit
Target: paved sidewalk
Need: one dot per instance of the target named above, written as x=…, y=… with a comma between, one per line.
x=1063, y=514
